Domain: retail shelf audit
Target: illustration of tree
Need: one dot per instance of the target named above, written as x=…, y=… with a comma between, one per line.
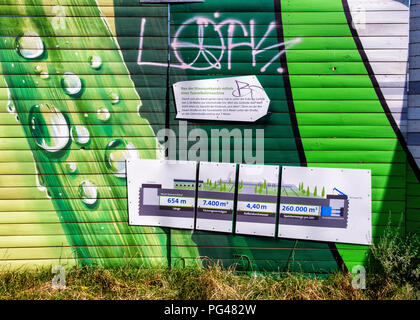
x=307, y=191
x=265, y=184
x=256, y=189
x=215, y=184
x=220, y=181
x=323, y=192
x=230, y=181
x=224, y=187
x=315, y=192
x=261, y=189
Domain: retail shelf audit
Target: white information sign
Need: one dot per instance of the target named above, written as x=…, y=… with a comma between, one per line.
x=228, y=99
x=326, y=204
x=161, y=193
x=257, y=200
x=216, y=194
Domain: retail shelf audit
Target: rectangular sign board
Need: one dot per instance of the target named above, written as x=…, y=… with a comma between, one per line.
x=257, y=200
x=320, y=204
x=228, y=99
x=215, y=196
x=326, y=204
x=161, y=193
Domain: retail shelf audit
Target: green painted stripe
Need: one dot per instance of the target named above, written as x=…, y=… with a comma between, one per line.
x=352, y=120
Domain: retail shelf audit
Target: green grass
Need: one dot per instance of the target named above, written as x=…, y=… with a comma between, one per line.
x=392, y=272
x=192, y=283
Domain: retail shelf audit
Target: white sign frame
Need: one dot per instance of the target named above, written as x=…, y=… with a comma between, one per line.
x=252, y=176
x=216, y=221
x=241, y=99
x=353, y=184
x=157, y=180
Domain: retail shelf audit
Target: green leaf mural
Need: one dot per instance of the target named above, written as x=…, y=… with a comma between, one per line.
x=57, y=91
x=86, y=91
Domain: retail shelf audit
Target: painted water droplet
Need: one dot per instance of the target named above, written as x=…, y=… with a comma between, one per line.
x=71, y=167
x=88, y=192
x=39, y=180
x=103, y=114
x=29, y=45
x=80, y=134
x=48, y=127
x=86, y=115
x=95, y=62
x=38, y=69
x=116, y=152
x=17, y=118
x=71, y=83
x=11, y=107
x=44, y=75
x=48, y=194
x=114, y=98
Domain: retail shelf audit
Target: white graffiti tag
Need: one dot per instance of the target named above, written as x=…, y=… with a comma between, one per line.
x=205, y=55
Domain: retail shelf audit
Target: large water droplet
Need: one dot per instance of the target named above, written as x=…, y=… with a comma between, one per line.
x=71, y=83
x=48, y=127
x=88, y=192
x=80, y=134
x=29, y=45
x=44, y=75
x=95, y=62
x=116, y=152
x=103, y=114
